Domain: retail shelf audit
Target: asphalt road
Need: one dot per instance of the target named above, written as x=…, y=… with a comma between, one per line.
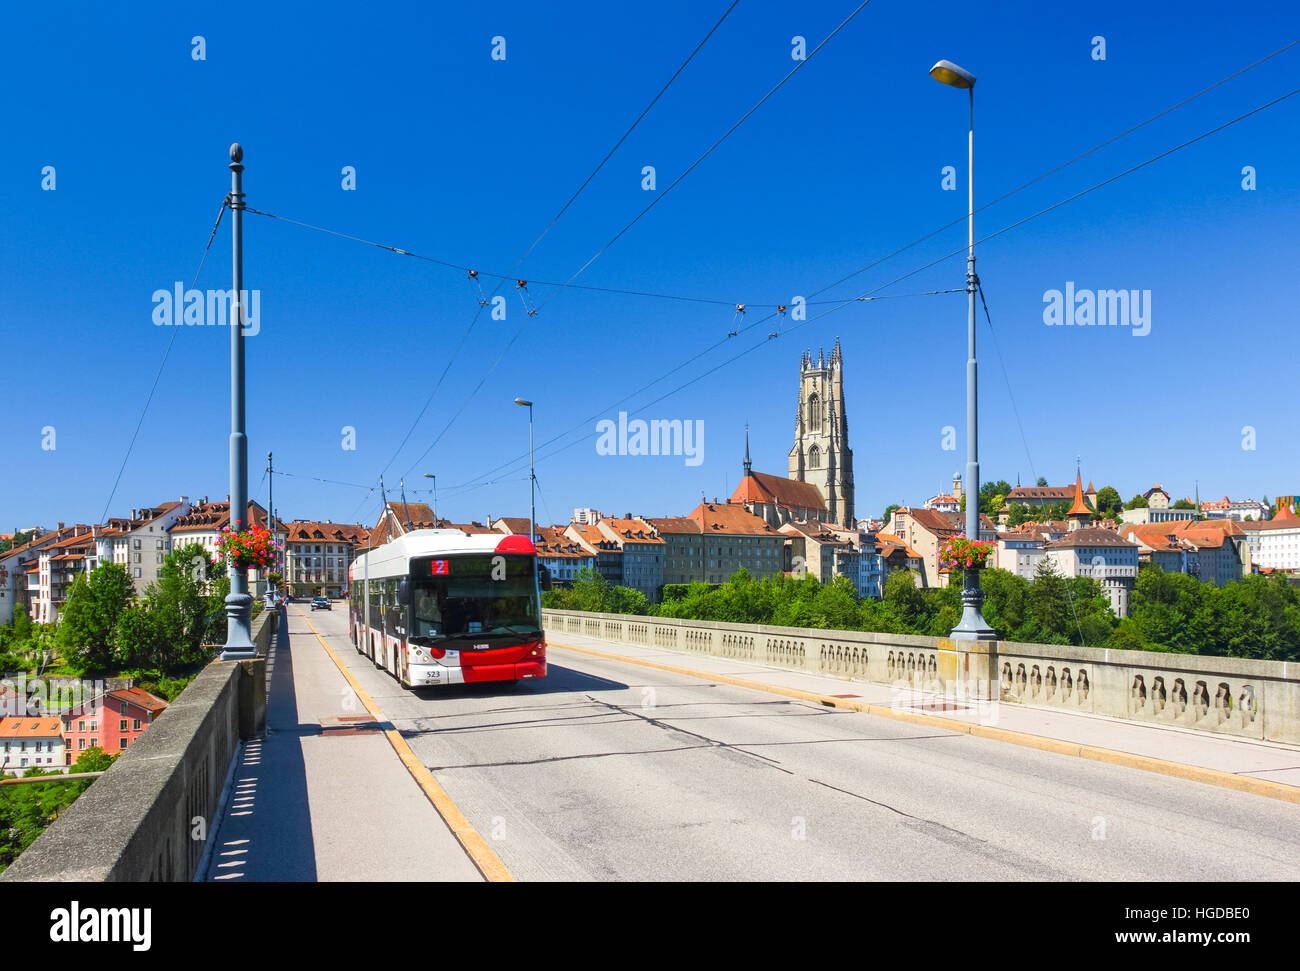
x=610, y=771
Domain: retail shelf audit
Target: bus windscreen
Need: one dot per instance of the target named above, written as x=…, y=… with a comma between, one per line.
x=489, y=597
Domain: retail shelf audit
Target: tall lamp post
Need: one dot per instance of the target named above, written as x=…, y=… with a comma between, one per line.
x=973, y=626
x=430, y=475
x=239, y=605
x=532, y=484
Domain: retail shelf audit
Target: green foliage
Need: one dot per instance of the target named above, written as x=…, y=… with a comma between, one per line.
x=993, y=496
x=1137, y=502
x=1257, y=617
x=1041, y=481
x=889, y=511
x=1017, y=514
x=22, y=624
x=1184, y=504
x=86, y=624
x=26, y=810
x=591, y=591
x=1109, y=503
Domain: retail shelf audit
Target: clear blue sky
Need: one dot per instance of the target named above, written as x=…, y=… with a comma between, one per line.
x=466, y=159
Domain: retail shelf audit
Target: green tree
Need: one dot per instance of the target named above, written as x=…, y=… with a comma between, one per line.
x=1041, y=482
x=1109, y=503
x=1184, y=504
x=86, y=625
x=22, y=626
x=1048, y=605
x=93, y=759
x=1017, y=514
x=889, y=511
x=1137, y=502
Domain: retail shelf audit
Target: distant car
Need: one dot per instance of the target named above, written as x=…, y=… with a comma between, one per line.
x=321, y=603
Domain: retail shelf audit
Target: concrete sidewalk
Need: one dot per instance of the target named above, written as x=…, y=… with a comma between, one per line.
x=1269, y=761
x=325, y=796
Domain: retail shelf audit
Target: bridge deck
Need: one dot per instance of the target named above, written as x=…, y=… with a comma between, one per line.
x=305, y=803
x=1270, y=761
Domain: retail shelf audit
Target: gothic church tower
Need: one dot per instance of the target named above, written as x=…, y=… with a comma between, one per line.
x=821, y=453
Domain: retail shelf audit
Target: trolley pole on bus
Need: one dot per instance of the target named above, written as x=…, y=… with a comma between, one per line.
x=239, y=605
x=532, y=485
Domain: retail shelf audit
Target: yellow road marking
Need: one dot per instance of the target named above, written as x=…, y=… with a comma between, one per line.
x=1213, y=777
x=488, y=863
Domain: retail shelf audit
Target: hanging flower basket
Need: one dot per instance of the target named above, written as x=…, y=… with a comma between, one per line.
x=958, y=551
x=252, y=547
x=274, y=578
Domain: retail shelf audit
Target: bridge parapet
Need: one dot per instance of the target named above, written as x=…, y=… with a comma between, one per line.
x=148, y=816
x=1228, y=696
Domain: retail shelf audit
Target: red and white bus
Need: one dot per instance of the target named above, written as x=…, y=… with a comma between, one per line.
x=436, y=606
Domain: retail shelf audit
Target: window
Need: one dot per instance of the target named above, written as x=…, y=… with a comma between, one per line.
x=81, y=743
x=67, y=742
x=137, y=544
x=121, y=742
x=94, y=726
x=122, y=707
x=121, y=726
x=94, y=742
x=81, y=726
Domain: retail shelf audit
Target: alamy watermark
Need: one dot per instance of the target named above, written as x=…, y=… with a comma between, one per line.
x=1098, y=308
x=199, y=308
x=656, y=437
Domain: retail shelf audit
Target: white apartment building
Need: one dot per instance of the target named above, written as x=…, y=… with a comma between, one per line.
x=1098, y=553
x=1019, y=553
x=1275, y=544
x=139, y=543
x=27, y=743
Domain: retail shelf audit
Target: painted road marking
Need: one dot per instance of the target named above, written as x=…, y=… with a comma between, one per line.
x=488, y=863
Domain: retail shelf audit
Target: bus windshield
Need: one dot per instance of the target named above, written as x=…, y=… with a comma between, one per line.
x=473, y=595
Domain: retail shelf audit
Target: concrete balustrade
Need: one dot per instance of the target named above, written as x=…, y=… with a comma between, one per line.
x=1230, y=696
x=148, y=817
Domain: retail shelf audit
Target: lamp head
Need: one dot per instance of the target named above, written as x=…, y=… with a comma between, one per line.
x=946, y=72
x=524, y=402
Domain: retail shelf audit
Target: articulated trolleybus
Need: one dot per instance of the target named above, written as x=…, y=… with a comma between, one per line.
x=436, y=606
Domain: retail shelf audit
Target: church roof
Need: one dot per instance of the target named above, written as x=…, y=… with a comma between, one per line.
x=777, y=490
x=1080, y=508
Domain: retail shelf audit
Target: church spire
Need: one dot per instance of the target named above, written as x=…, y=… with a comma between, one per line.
x=747, y=464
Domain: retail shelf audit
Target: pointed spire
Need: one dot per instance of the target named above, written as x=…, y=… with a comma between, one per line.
x=747, y=448
x=821, y=357
x=836, y=356
x=1079, y=513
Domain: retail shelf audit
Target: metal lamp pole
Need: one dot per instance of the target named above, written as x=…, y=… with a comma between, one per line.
x=973, y=626
x=532, y=484
x=239, y=605
x=430, y=475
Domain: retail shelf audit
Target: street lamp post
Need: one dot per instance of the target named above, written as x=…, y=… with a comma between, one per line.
x=239, y=605
x=973, y=626
x=430, y=475
x=532, y=484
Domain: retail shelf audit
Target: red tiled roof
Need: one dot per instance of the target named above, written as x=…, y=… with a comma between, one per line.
x=16, y=726
x=140, y=697
x=1089, y=536
x=302, y=530
x=761, y=487
x=729, y=519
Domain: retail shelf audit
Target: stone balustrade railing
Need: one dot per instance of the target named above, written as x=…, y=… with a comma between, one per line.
x=1229, y=696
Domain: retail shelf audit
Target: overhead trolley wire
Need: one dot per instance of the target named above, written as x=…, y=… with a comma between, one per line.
x=932, y=263
x=161, y=366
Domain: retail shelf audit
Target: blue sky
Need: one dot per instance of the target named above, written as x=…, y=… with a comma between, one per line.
x=466, y=159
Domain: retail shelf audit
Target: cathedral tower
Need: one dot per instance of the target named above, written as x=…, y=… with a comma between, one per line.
x=821, y=453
